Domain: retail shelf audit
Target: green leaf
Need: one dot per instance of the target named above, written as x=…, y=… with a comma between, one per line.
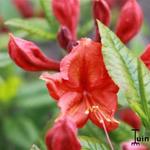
x=36, y=26
x=46, y=5
x=9, y=88
x=128, y=72
x=89, y=143
x=20, y=131
x=3, y=42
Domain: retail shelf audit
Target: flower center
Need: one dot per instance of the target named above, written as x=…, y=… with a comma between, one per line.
x=95, y=110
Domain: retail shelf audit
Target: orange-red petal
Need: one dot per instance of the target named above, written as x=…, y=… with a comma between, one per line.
x=73, y=104
x=84, y=65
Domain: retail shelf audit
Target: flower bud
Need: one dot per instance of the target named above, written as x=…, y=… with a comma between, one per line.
x=101, y=11
x=24, y=7
x=63, y=136
x=146, y=56
x=64, y=36
x=111, y=3
x=130, y=21
x=130, y=117
x=67, y=13
x=29, y=57
x=128, y=146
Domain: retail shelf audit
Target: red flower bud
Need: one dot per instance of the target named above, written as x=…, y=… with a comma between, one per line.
x=146, y=56
x=111, y=2
x=63, y=136
x=101, y=11
x=130, y=117
x=24, y=7
x=28, y=56
x=128, y=146
x=67, y=13
x=130, y=21
x=64, y=36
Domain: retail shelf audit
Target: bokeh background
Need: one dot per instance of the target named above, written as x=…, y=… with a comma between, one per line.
x=26, y=108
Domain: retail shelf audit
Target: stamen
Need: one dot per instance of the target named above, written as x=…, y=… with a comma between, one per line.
x=98, y=114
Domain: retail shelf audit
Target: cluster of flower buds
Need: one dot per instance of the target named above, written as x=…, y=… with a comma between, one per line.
x=130, y=19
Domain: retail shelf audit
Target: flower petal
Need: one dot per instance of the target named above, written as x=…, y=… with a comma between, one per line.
x=109, y=122
x=73, y=105
x=146, y=56
x=84, y=66
x=55, y=84
x=29, y=57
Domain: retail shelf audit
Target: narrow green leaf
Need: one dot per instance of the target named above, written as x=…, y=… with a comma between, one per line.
x=128, y=72
x=89, y=143
x=46, y=5
x=38, y=27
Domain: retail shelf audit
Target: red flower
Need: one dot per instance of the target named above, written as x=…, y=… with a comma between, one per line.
x=83, y=88
x=130, y=117
x=146, y=56
x=128, y=146
x=29, y=57
x=24, y=7
x=67, y=13
x=63, y=136
x=130, y=21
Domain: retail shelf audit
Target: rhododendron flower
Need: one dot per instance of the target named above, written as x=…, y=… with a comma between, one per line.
x=67, y=13
x=83, y=88
x=29, y=57
x=146, y=56
x=24, y=7
x=129, y=22
x=63, y=136
x=130, y=117
x=128, y=146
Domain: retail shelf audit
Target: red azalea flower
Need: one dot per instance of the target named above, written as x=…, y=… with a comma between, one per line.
x=130, y=117
x=29, y=57
x=83, y=88
x=24, y=7
x=63, y=136
x=67, y=13
x=146, y=56
x=128, y=146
